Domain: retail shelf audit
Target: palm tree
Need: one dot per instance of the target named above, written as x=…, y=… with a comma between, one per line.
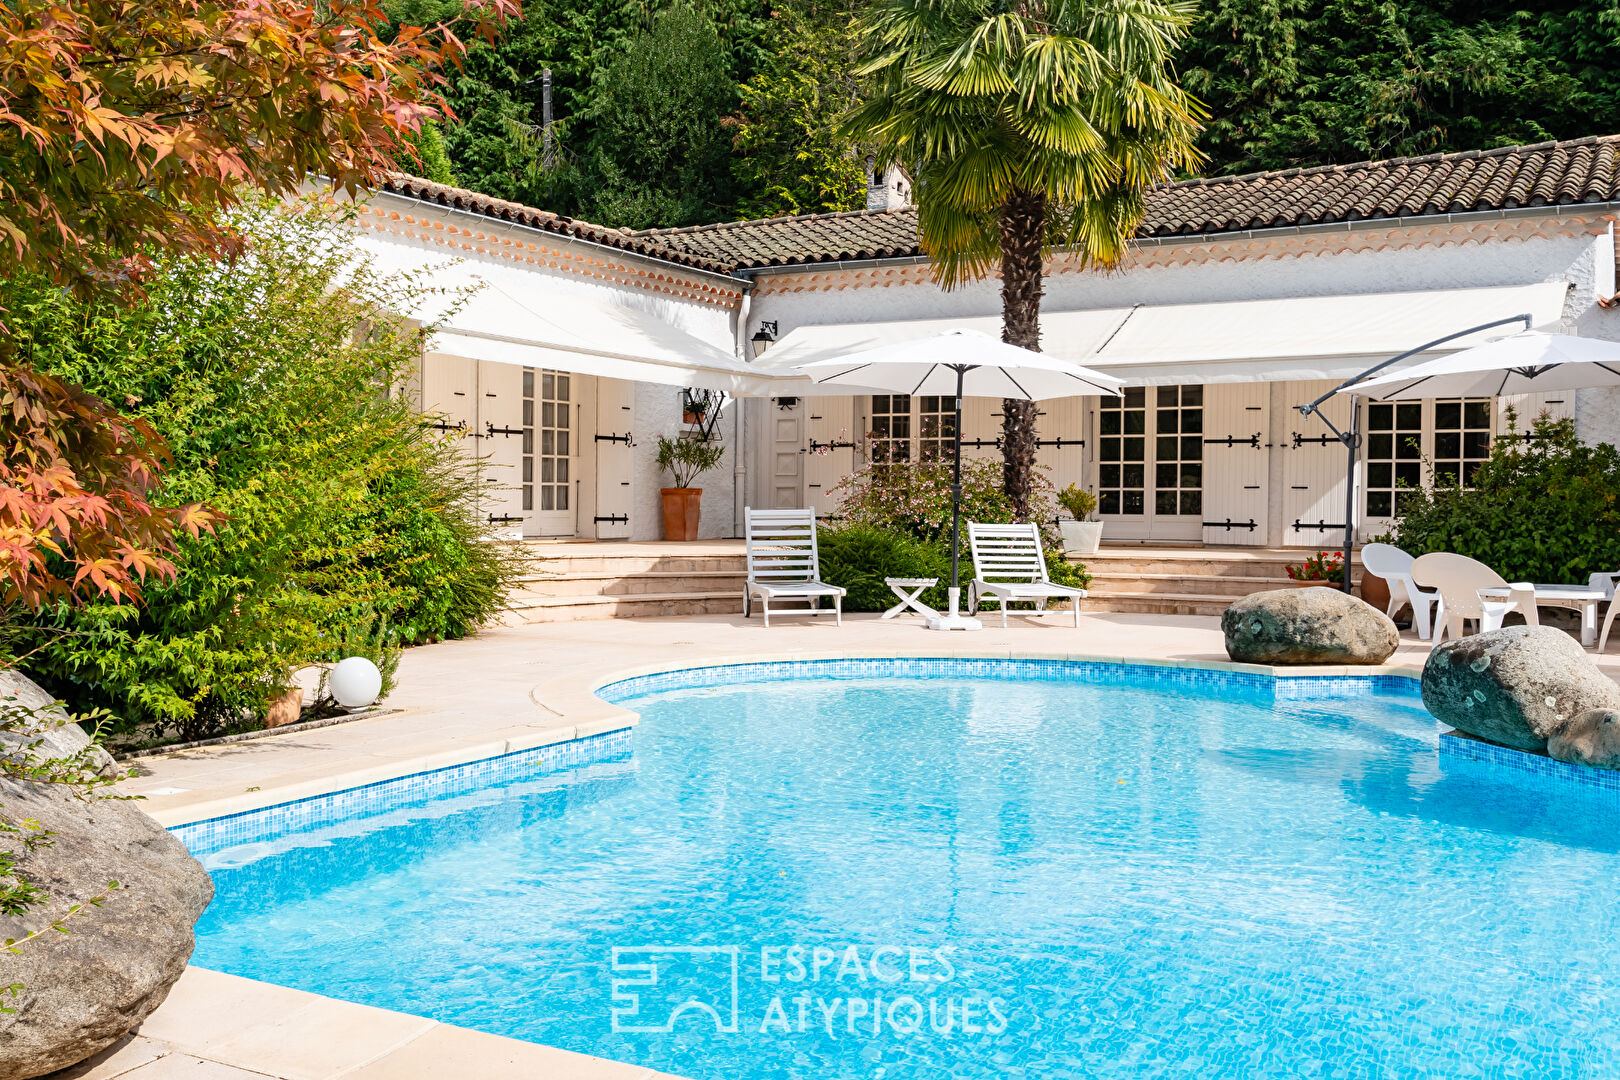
x=1027, y=126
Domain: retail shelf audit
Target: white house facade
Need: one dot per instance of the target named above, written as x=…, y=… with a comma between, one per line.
x=1243, y=298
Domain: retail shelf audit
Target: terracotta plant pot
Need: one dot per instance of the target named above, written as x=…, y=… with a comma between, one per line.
x=681, y=507
x=285, y=709
x=1374, y=590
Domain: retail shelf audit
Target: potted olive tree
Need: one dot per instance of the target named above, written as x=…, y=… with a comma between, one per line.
x=685, y=458
x=1081, y=535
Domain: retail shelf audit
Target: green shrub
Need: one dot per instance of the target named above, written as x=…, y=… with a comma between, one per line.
x=913, y=500
x=859, y=557
x=283, y=391
x=1539, y=510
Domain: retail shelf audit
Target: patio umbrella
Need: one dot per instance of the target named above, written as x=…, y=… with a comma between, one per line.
x=1525, y=363
x=960, y=362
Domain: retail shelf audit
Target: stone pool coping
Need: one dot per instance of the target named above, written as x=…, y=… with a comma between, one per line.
x=571, y=702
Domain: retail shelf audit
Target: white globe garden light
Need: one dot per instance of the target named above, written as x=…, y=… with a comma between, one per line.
x=354, y=682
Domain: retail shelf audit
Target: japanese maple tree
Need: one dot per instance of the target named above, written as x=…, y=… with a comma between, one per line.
x=127, y=125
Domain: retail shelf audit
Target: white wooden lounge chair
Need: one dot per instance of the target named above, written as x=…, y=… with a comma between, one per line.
x=1459, y=579
x=785, y=564
x=1008, y=564
x=1395, y=567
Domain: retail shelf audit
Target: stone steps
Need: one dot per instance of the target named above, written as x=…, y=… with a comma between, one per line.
x=549, y=609
x=1184, y=581
x=565, y=582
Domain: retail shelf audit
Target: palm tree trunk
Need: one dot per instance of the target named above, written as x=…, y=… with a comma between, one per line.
x=1023, y=226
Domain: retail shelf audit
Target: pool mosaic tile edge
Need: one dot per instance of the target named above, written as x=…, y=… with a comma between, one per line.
x=1537, y=769
x=214, y=833
x=1124, y=672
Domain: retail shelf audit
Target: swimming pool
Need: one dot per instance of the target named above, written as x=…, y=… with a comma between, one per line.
x=971, y=869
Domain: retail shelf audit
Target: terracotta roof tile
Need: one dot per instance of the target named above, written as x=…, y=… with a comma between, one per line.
x=1554, y=173
x=415, y=187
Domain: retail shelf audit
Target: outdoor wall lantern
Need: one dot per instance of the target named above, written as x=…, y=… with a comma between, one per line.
x=764, y=337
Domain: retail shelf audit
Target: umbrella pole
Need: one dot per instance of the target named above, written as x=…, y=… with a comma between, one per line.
x=956, y=620
x=956, y=500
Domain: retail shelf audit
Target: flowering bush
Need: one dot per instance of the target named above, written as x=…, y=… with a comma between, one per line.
x=915, y=497
x=1323, y=566
x=912, y=502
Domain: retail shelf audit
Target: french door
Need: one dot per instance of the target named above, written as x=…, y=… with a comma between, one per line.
x=1150, y=463
x=548, y=445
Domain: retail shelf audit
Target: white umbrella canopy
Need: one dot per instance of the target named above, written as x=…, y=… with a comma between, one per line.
x=1525, y=363
x=965, y=362
x=959, y=363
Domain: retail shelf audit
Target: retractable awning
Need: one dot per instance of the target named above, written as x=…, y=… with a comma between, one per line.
x=1309, y=337
x=503, y=314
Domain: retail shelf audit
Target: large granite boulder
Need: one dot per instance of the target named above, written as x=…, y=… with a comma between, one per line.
x=84, y=990
x=1314, y=625
x=1592, y=738
x=1517, y=686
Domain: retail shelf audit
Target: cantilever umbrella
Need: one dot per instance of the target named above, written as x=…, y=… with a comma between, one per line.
x=960, y=362
x=1530, y=362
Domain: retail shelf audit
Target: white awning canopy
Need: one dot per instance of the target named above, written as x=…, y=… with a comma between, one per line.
x=502, y=314
x=1312, y=337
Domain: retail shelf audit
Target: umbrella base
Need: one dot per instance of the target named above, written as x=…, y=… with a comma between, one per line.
x=954, y=621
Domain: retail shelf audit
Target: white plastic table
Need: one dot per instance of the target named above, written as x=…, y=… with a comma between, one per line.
x=1582, y=597
x=908, y=589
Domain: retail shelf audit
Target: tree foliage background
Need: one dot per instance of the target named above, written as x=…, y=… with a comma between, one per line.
x=1288, y=82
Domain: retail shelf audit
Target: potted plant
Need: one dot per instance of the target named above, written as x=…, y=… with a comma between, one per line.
x=1081, y=535
x=1323, y=568
x=685, y=459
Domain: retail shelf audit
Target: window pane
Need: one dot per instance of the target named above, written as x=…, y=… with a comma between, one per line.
x=548, y=385
x=1108, y=502
x=1409, y=415
x=1192, y=448
x=1380, y=417
x=1110, y=422
x=1192, y=421
x=1110, y=450
x=1164, y=502
x=1192, y=395
x=1168, y=395
x=1135, y=422
x=1448, y=414
x=528, y=384
x=1192, y=476
x=1135, y=449
x=1168, y=419
x=1167, y=447
x=528, y=498
x=1380, y=474
x=1108, y=476
x=562, y=395
x=1164, y=475
x=1192, y=502
x=1378, y=504
x=1447, y=444
x=1381, y=446
x=1135, y=502
x=1133, y=476
x=1135, y=397
x=1477, y=414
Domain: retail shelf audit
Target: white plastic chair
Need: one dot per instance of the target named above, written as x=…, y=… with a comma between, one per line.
x=1008, y=564
x=1395, y=566
x=784, y=562
x=1459, y=580
x=1604, y=579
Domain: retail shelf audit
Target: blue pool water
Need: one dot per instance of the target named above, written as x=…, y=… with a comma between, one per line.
x=1103, y=874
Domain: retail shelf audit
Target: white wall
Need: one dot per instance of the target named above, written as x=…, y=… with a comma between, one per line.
x=658, y=412
x=1588, y=261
